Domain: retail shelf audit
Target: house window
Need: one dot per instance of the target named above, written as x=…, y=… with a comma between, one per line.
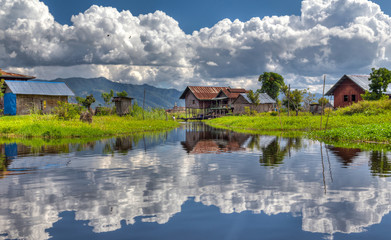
x=353, y=98
x=43, y=104
x=345, y=98
x=193, y=102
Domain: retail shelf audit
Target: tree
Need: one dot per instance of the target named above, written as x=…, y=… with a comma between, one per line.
x=107, y=97
x=253, y=97
x=379, y=80
x=122, y=94
x=86, y=102
x=271, y=83
x=293, y=99
x=308, y=99
x=323, y=101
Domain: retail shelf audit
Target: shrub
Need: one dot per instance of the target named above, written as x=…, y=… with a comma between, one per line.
x=67, y=111
x=103, y=111
x=366, y=107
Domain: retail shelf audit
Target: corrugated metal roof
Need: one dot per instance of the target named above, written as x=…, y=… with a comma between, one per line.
x=209, y=93
x=203, y=93
x=264, y=98
x=14, y=76
x=39, y=88
x=361, y=80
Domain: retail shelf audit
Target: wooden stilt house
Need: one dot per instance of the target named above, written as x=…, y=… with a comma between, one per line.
x=209, y=101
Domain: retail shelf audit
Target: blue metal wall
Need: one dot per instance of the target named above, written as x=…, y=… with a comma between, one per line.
x=9, y=104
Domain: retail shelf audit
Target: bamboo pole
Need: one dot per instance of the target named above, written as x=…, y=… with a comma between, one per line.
x=144, y=104
x=279, y=116
x=321, y=114
x=289, y=101
x=327, y=121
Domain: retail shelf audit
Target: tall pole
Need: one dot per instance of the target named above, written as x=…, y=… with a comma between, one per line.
x=289, y=101
x=321, y=114
x=144, y=104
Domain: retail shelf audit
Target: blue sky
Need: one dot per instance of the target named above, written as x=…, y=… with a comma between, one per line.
x=191, y=15
x=178, y=43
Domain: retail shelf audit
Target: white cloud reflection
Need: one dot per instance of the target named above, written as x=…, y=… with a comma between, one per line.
x=107, y=189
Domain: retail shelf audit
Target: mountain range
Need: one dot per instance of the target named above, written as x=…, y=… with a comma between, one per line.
x=154, y=97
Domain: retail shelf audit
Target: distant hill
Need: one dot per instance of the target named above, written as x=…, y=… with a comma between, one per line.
x=154, y=97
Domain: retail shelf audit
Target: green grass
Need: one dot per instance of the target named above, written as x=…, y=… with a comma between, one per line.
x=48, y=126
x=260, y=124
x=363, y=122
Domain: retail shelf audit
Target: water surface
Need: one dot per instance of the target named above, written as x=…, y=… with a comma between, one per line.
x=194, y=182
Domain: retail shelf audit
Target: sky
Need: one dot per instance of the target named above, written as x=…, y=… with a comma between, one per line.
x=175, y=43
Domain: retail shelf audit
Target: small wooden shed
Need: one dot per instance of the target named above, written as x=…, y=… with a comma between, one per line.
x=123, y=105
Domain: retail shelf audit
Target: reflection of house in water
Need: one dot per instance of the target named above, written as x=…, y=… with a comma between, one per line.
x=345, y=155
x=9, y=152
x=205, y=139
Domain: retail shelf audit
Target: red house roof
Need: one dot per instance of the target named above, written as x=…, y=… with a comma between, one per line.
x=13, y=76
x=202, y=93
x=208, y=93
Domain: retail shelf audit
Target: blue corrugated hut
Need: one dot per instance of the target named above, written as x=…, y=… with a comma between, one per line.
x=22, y=97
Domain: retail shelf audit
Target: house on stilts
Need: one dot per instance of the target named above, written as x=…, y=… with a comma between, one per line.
x=209, y=102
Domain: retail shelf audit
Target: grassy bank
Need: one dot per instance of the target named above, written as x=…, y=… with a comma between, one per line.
x=48, y=126
x=362, y=122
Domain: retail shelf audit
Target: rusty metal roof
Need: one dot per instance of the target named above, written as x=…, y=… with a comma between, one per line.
x=202, y=93
x=209, y=93
x=13, y=76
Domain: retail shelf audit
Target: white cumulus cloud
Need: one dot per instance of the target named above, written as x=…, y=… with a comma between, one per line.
x=331, y=37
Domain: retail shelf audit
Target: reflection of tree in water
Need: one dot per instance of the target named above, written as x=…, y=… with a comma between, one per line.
x=380, y=164
x=274, y=154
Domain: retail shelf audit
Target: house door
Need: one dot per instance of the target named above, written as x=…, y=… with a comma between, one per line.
x=9, y=104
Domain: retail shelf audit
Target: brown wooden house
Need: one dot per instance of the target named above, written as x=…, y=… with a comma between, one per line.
x=223, y=102
x=220, y=101
x=198, y=100
x=348, y=90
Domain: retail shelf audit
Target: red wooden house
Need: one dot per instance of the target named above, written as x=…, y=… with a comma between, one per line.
x=348, y=90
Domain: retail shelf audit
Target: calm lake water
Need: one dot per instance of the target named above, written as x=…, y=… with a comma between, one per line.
x=194, y=182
